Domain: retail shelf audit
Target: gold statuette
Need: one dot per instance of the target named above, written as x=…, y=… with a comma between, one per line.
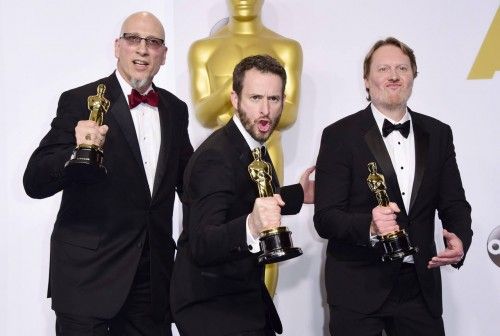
x=276, y=243
x=397, y=243
x=86, y=161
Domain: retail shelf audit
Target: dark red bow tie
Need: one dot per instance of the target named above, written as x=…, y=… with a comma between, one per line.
x=135, y=98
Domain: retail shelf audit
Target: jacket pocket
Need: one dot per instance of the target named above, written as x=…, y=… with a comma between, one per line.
x=77, y=236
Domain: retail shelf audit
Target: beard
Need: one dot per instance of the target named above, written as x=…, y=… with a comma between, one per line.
x=138, y=83
x=251, y=126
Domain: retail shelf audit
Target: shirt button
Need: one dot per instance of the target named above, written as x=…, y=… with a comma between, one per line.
x=402, y=167
x=403, y=193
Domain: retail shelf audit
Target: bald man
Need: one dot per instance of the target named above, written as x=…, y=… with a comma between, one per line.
x=111, y=247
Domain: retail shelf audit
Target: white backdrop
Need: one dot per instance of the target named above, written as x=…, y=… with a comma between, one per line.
x=48, y=47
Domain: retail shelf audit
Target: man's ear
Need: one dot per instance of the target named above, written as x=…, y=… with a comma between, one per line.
x=234, y=99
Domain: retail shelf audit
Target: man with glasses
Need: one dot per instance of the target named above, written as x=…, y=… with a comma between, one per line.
x=111, y=247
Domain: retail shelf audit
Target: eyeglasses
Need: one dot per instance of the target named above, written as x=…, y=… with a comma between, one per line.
x=151, y=42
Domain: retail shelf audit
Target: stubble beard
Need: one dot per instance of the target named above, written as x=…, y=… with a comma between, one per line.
x=392, y=104
x=251, y=127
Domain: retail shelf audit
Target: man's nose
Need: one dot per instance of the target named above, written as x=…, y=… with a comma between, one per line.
x=265, y=107
x=394, y=74
x=142, y=48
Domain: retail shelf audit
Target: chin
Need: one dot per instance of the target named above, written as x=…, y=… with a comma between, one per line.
x=138, y=83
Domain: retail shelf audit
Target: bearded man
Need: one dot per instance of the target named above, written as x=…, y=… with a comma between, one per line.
x=217, y=285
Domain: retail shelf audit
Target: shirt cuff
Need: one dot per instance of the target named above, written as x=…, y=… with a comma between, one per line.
x=252, y=243
x=373, y=239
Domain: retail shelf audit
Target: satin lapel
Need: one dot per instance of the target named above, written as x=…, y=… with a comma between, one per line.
x=237, y=139
x=375, y=142
x=121, y=113
x=165, y=112
x=421, y=150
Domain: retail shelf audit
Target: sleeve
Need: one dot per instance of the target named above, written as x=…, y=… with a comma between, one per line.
x=453, y=208
x=185, y=152
x=333, y=218
x=215, y=238
x=293, y=196
x=44, y=175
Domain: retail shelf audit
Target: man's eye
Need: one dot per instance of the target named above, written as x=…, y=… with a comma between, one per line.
x=403, y=68
x=383, y=69
x=154, y=41
x=134, y=38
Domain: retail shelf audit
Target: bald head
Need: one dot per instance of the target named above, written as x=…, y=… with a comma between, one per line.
x=140, y=49
x=143, y=22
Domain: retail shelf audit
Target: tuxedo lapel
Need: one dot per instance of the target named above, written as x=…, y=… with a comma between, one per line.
x=421, y=150
x=121, y=113
x=376, y=144
x=165, y=112
x=237, y=139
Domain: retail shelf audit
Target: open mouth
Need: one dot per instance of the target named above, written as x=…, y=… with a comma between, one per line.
x=264, y=125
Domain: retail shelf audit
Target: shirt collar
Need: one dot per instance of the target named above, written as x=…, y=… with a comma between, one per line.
x=379, y=117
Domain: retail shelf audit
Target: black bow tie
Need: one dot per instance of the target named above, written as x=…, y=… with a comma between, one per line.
x=403, y=128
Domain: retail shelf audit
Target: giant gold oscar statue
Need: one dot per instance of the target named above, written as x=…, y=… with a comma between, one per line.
x=211, y=64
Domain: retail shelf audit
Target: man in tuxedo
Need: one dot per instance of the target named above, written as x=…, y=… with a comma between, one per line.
x=111, y=248
x=217, y=283
x=416, y=155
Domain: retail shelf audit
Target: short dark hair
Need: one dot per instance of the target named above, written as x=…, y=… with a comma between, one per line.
x=394, y=42
x=263, y=63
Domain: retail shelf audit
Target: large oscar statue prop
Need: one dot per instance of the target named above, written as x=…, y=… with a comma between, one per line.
x=86, y=161
x=276, y=244
x=396, y=244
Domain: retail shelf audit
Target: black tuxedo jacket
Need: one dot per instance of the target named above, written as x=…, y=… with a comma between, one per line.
x=356, y=278
x=101, y=227
x=217, y=285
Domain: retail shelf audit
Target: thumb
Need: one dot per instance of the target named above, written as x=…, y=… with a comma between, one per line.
x=103, y=129
x=394, y=207
x=446, y=233
x=279, y=199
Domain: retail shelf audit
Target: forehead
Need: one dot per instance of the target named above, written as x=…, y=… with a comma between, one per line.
x=262, y=82
x=389, y=54
x=144, y=25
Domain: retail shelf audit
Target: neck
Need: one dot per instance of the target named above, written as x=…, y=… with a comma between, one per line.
x=245, y=27
x=395, y=113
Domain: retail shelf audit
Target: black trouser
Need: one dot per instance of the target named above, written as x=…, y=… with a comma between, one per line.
x=133, y=319
x=403, y=314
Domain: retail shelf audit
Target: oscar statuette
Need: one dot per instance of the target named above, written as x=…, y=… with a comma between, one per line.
x=85, y=164
x=397, y=243
x=276, y=243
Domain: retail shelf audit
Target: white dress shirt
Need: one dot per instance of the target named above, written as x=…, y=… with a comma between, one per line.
x=146, y=120
x=402, y=153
